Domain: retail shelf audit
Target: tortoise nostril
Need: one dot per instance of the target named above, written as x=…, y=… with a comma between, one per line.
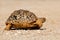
x=44, y=19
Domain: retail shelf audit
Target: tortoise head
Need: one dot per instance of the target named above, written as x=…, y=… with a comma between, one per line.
x=43, y=19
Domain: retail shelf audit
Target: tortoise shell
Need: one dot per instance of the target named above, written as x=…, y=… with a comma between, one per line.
x=21, y=16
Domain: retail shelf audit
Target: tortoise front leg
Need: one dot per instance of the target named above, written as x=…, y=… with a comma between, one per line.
x=40, y=22
x=8, y=27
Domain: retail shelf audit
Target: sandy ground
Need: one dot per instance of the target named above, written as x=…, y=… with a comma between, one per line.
x=42, y=8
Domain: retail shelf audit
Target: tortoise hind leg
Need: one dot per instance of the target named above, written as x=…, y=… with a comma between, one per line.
x=8, y=27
